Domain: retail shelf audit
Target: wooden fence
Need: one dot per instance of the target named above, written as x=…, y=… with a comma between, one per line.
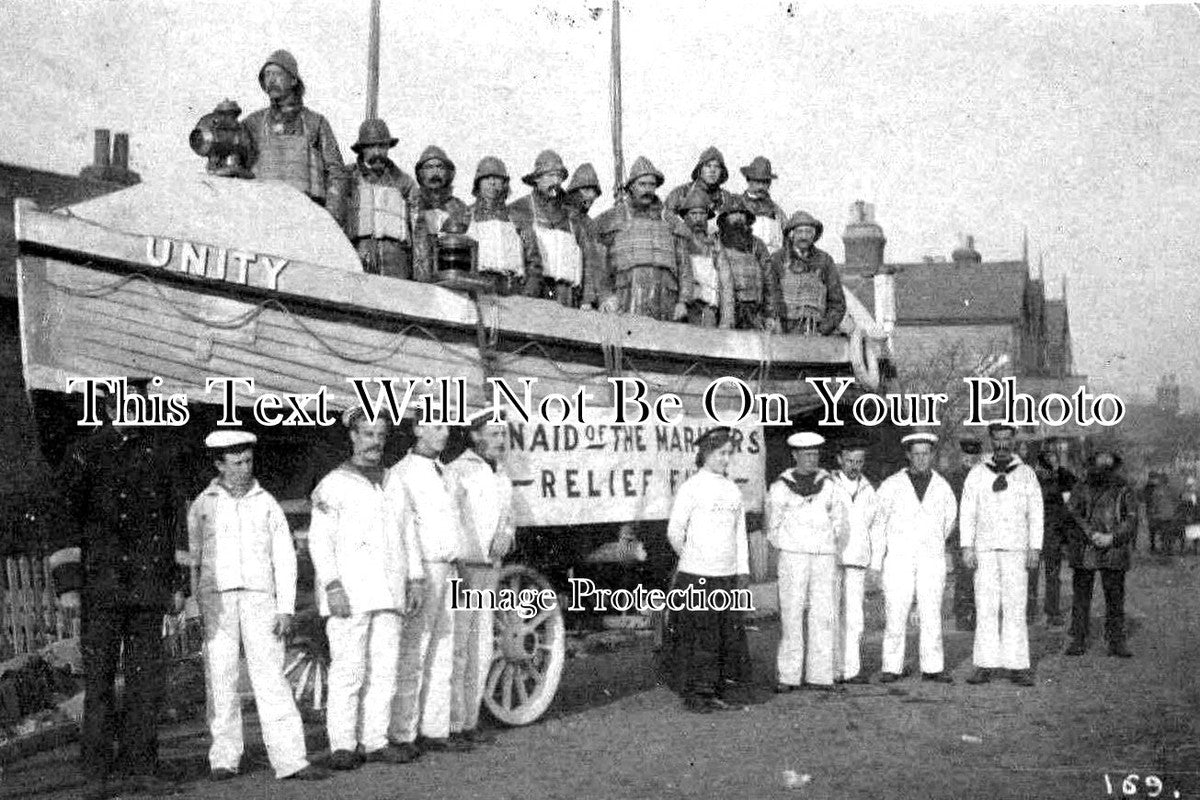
x=29, y=614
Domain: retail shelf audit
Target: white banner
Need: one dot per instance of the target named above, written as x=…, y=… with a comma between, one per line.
x=572, y=474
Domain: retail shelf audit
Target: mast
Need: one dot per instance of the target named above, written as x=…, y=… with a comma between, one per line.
x=373, y=63
x=615, y=100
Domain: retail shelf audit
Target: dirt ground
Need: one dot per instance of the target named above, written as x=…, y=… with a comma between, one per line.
x=614, y=733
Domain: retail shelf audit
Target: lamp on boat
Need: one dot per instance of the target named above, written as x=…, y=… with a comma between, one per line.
x=456, y=257
x=223, y=140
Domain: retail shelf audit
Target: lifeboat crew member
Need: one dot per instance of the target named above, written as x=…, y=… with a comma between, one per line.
x=1000, y=528
x=483, y=494
x=807, y=521
x=121, y=563
x=381, y=199
x=707, y=530
x=914, y=517
x=555, y=240
x=964, y=578
x=582, y=193
x=501, y=256
x=244, y=578
x=769, y=217
x=423, y=687
x=436, y=205
x=368, y=573
x=648, y=267
x=811, y=300
x=584, y=189
x=748, y=262
x=712, y=285
x=293, y=143
x=709, y=175
x=855, y=557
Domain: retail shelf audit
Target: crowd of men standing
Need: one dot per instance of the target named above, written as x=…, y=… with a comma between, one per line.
x=704, y=255
x=407, y=672
x=1000, y=517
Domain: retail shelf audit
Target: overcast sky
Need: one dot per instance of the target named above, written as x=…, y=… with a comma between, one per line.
x=1078, y=123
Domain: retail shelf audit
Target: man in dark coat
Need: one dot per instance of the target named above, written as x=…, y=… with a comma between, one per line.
x=121, y=561
x=1058, y=526
x=811, y=300
x=1105, y=509
x=556, y=242
x=964, y=578
x=381, y=202
x=436, y=205
x=747, y=260
x=709, y=176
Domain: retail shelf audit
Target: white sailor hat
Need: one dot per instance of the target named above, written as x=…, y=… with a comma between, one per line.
x=920, y=437
x=805, y=440
x=351, y=415
x=222, y=440
x=483, y=417
x=438, y=412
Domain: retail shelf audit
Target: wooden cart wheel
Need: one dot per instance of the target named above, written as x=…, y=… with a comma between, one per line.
x=529, y=655
x=307, y=671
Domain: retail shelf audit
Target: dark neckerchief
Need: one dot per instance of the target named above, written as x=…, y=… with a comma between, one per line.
x=1001, y=472
x=803, y=485
x=919, y=483
x=373, y=474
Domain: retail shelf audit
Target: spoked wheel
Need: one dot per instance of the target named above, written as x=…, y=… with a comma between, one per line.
x=307, y=670
x=529, y=655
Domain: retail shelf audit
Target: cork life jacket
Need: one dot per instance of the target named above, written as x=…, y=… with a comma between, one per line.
x=294, y=159
x=803, y=292
x=747, y=275
x=381, y=212
x=643, y=241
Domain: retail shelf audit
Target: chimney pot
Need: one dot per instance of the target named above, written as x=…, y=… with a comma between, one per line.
x=102, y=158
x=120, y=154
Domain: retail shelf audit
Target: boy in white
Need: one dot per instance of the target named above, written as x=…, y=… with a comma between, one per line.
x=915, y=515
x=1001, y=536
x=368, y=573
x=808, y=521
x=243, y=570
x=856, y=557
x=482, y=492
x=422, y=700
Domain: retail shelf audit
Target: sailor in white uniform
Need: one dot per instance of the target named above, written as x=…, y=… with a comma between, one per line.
x=856, y=557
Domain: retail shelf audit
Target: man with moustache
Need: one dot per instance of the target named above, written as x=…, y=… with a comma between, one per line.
x=482, y=492
x=293, y=143
x=915, y=513
x=811, y=300
x=119, y=560
x=436, y=204
x=1000, y=527
x=747, y=261
x=368, y=573
x=582, y=193
x=555, y=241
x=708, y=176
x=712, y=285
x=855, y=557
x=769, y=217
x=381, y=199
x=501, y=254
x=648, y=268
x=964, y=578
x=807, y=520
x=422, y=701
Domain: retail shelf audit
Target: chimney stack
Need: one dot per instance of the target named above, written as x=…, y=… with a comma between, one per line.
x=967, y=255
x=864, y=240
x=101, y=159
x=111, y=161
x=120, y=154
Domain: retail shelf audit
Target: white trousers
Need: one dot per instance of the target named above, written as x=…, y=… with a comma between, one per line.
x=426, y=663
x=236, y=620
x=850, y=630
x=474, y=643
x=903, y=578
x=362, y=678
x=807, y=582
x=1001, y=635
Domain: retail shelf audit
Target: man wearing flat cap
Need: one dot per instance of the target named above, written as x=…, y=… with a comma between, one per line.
x=244, y=578
x=121, y=560
x=755, y=291
x=482, y=492
x=501, y=254
x=1000, y=526
x=368, y=574
x=422, y=702
x=914, y=518
x=380, y=204
x=709, y=176
x=855, y=557
x=712, y=285
x=648, y=268
x=555, y=241
x=293, y=143
x=808, y=521
x=810, y=299
x=436, y=206
x=970, y=454
x=769, y=217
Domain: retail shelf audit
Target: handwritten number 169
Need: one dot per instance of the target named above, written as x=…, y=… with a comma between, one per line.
x=1129, y=785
